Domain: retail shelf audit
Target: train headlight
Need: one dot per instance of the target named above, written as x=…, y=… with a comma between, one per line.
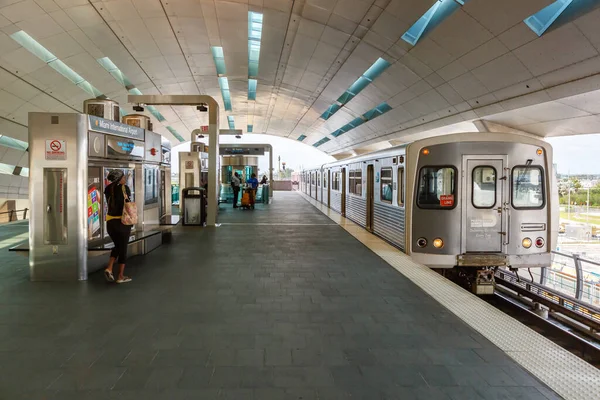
x=526, y=243
x=539, y=152
x=438, y=243
x=421, y=242
x=539, y=242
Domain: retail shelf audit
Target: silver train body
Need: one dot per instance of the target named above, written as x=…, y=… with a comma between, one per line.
x=466, y=200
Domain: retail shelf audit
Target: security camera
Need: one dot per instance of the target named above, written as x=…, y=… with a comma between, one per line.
x=238, y=136
x=201, y=136
x=138, y=108
x=202, y=108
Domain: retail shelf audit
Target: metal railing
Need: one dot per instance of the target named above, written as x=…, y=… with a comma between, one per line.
x=13, y=215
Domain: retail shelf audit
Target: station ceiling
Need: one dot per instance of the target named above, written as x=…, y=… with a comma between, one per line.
x=346, y=76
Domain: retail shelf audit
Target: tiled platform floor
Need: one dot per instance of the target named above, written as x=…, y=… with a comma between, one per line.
x=277, y=303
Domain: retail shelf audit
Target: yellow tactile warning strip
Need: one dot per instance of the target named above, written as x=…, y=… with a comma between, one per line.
x=567, y=374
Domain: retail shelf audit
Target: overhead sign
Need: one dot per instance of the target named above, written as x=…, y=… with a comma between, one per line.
x=56, y=149
x=204, y=128
x=447, y=200
x=115, y=128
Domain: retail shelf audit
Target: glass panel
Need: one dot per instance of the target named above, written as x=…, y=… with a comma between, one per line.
x=386, y=185
x=527, y=187
x=484, y=187
x=435, y=182
x=94, y=203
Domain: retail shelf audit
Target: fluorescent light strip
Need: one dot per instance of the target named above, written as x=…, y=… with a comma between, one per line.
x=13, y=143
x=255, y=22
x=35, y=48
x=543, y=19
x=440, y=10
x=362, y=82
x=175, y=133
x=231, y=122
x=224, y=85
x=301, y=138
x=322, y=141
x=219, y=58
x=368, y=116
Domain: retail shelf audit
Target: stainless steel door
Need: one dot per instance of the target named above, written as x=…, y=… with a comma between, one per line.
x=343, y=192
x=483, y=205
x=370, y=196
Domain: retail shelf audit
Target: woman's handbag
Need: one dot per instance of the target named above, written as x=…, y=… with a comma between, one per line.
x=130, y=214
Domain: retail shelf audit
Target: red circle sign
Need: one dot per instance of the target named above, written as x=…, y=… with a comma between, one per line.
x=55, y=145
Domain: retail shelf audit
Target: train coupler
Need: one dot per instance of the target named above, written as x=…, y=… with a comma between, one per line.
x=484, y=282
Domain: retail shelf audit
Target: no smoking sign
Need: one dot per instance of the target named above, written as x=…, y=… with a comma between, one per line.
x=56, y=149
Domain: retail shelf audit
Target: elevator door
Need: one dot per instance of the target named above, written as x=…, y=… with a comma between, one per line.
x=370, y=187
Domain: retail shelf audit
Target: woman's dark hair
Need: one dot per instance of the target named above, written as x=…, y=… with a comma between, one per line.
x=254, y=175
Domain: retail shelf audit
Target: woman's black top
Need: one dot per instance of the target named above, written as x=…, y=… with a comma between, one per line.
x=115, y=199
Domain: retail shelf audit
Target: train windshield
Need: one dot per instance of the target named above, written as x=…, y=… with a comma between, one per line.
x=437, y=187
x=527, y=187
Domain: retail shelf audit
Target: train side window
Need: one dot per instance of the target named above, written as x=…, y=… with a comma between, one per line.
x=312, y=179
x=401, y=186
x=483, y=187
x=437, y=188
x=386, y=185
x=355, y=182
x=319, y=180
x=335, y=181
x=528, y=187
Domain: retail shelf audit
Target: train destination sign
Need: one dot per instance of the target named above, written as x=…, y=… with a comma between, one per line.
x=115, y=128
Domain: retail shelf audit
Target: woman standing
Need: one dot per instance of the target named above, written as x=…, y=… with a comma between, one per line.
x=116, y=194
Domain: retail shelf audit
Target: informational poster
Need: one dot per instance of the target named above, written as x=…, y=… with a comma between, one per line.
x=93, y=204
x=56, y=149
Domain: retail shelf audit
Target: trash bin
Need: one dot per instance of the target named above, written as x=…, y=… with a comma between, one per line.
x=265, y=194
x=193, y=206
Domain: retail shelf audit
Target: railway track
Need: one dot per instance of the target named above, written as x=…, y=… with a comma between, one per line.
x=570, y=323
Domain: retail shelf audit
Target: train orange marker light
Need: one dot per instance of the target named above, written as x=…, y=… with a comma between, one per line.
x=425, y=151
x=539, y=152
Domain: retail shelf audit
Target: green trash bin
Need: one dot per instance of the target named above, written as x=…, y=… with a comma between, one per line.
x=265, y=194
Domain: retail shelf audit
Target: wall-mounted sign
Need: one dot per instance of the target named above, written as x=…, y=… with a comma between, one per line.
x=115, y=128
x=189, y=165
x=204, y=128
x=56, y=149
x=124, y=148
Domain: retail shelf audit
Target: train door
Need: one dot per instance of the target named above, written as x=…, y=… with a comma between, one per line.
x=163, y=193
x=483, y=204
x=343, y=206
x=370, y=196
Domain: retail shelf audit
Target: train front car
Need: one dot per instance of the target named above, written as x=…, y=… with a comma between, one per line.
x=480, y=201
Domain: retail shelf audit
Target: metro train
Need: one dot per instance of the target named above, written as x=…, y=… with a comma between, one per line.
x=470, y=202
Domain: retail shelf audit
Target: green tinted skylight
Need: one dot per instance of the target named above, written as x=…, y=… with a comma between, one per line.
x=53, y=62
x=252, y=83
x=369, y=115
x=7, y=169
x=322, y=141
x=301, y=137
x=249, y=128
x=362, y=82
x=558, y=12
x=231, y=122
x=13, y=143
x=438, y=12
x=224, y=85
x=116, y=73
x=255, y=22
x=219, y=58
x=175, y=133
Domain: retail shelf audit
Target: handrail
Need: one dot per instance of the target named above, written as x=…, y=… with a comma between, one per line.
x=577, y=264
x=13, y=212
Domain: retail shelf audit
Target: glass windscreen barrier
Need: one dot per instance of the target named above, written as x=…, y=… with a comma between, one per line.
x=484, y=187
x=527, y=187
x=437, y=187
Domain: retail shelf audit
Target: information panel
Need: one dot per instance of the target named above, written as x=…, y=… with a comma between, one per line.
x=124, y=148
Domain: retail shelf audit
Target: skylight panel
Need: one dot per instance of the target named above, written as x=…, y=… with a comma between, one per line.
x=362, y=82
x=368, y=116
x=224, y=85
x=322, y=141
x=116, y=73
x=231, y=122
x=175, y=133
x=219, y=59
x=249, y=128
x=252, y=83
x=35, y=48
x=438, y=12
x=255, y=21
x=301, y=138
x=543, y=19
x=13, y=143
x=7, y=169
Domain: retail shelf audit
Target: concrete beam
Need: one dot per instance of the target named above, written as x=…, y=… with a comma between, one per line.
x=483, y=125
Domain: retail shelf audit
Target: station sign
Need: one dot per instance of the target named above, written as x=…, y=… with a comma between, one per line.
x=115, y=128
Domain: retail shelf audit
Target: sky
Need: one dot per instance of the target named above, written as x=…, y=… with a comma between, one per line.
x=573, y=154
x=577, y=154
x=293, y=153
